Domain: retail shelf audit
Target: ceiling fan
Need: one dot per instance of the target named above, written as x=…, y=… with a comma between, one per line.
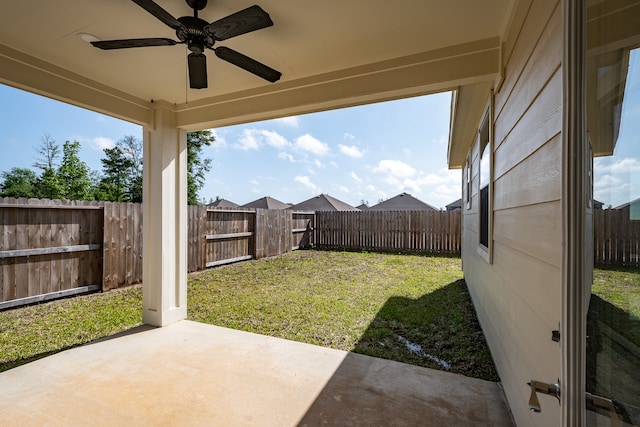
x=199, y=35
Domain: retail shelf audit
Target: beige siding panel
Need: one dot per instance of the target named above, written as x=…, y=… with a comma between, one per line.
x=511, y=326
x=514, y=29
x=541, y=123
x=537, y=283
x=537, y=76
x=537, y=32
x=537, y=179
x=535, y=230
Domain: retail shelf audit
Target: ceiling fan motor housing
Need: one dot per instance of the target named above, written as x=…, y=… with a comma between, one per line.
x=196, y=38
x=197, y=4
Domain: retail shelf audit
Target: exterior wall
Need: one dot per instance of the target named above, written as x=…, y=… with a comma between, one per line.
x=517, y=295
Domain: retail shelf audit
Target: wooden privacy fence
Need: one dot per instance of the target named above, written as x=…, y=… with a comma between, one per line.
x=407, y=231
x=221, y=236
x=616, y=238
x=53, y=248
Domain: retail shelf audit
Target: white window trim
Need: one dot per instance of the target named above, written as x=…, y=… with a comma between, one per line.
x=468, y=182
x=486, y=253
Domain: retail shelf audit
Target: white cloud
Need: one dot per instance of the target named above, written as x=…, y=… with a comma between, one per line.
x=253, y=139
x=101, y=142
x=355, y=177
x=289, y=121
x=308, y=143
x=286, y=156
x=248, y=140
x=351, y=151
x=254, y=182
x=304, y=180
x=219, y=141
x=395, y=168
x=334, y=164
x=342, y=189
x=274, y=139
x=604, y=165
x=349, y=136
x=606, y=181
x=434, y=188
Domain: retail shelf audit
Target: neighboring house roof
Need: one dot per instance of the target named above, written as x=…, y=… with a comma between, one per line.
x=323, y=202
x=626, y=205
x=363, y=207
x=223, y=203
x=597, y=204
x=454, y=205
x=266, y=203
x=402, y=202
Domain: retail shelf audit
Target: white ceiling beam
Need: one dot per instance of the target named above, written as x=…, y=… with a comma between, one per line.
x=419, y=74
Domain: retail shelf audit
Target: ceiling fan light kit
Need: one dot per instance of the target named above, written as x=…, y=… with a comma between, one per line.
x=200, y=35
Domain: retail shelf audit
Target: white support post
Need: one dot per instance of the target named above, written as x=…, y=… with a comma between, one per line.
x=164, y=256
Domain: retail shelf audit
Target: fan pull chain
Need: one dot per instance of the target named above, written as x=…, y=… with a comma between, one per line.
x=186, y=80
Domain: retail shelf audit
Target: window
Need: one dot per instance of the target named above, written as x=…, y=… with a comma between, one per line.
x=468, y=180
x=485, y=183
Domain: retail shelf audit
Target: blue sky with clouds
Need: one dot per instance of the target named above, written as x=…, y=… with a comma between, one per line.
x=368, y=153
x=617, y=177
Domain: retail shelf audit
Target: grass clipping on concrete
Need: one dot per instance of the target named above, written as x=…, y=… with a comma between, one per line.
x=407, y=308
x=411, y=309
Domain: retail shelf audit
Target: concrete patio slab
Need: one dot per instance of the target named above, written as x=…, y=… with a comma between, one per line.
x=193, y=374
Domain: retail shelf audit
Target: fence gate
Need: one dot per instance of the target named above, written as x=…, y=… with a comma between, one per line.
x=48, y=250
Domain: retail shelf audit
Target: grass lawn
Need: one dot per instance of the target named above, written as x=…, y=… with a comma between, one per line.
x=412, y=309
x=613, y=328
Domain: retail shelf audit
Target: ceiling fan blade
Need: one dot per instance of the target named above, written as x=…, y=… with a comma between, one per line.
x=197, y=71
x=127, y=43
x=251, y=65
x=250, y=19
x=151, y=7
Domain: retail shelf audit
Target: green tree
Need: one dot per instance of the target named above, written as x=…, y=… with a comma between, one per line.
x=73, y=173
x=132, y=149
x=116, y=167
x=48, y=185
x=197, y=164
x=18, y=182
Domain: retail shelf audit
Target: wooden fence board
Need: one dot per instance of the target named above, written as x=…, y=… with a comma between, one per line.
x=408, y=231
x=46, y=247
x=53, y=246
x=616, y=238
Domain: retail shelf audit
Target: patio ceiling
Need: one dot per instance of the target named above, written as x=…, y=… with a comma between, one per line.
x=331, y=53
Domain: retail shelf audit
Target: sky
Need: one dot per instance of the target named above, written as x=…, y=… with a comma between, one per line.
x=617, y=178
x=367, y=153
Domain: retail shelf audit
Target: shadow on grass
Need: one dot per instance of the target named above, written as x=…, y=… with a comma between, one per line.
x=23, y=361
x=616, y=267
x=613, y=357
x=439, y=330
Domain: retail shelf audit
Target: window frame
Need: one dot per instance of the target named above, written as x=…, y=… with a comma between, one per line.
x=468, y=180
x=487, y=121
